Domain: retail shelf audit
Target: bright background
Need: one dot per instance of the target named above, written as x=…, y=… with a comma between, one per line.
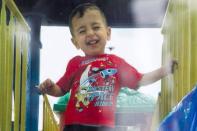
x=141, y=47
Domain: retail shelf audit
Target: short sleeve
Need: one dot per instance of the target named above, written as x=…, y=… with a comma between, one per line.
x=129, y=76
x=66, y=80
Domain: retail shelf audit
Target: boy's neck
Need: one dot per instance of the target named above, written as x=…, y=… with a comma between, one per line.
x=92, y=56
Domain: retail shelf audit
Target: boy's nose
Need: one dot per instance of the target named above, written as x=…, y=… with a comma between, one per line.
x=90, y=32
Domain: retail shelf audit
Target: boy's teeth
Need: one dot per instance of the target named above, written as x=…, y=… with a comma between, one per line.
x=92, y=42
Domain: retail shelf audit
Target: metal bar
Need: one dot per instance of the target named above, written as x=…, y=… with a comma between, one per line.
x=2, y=67
x=13, y=8
x=49, y=122
x=24, y=80
x=17, y=80
x=9, y=64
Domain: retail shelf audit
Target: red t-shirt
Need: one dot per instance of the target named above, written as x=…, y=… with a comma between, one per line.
x=95, y=83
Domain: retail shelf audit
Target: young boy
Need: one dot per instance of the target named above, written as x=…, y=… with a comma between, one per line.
x=96, y=78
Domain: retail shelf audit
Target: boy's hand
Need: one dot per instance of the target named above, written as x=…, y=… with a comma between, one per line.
x=46, y=86
x=171, y=65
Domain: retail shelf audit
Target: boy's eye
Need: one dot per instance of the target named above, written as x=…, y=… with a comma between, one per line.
x=96, y=27
x=81, y=31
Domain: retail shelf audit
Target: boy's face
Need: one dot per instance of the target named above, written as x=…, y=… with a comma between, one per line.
x=90, y=33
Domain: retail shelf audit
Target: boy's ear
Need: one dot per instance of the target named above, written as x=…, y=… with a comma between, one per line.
x=108, y=33
x=75, y=43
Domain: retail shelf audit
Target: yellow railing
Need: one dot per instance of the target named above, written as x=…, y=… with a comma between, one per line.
x=180, y=41
x=14, y=44
x=14, y=40
x=49, y=122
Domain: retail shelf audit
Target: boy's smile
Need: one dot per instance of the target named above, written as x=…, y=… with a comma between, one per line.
x=91, y=41
x=90, y=32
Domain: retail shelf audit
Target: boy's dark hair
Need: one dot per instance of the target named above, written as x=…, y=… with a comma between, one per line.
x=80, y=10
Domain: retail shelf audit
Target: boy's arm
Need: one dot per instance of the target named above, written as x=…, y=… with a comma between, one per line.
x=151, y=77
x=50, y=88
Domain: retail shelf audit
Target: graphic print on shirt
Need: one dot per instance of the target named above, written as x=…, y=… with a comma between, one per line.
x=96, y=84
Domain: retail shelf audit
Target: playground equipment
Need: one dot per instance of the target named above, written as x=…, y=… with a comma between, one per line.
x=183, y=117
x=14, y=42
x=19, y=64
x=179, y=30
